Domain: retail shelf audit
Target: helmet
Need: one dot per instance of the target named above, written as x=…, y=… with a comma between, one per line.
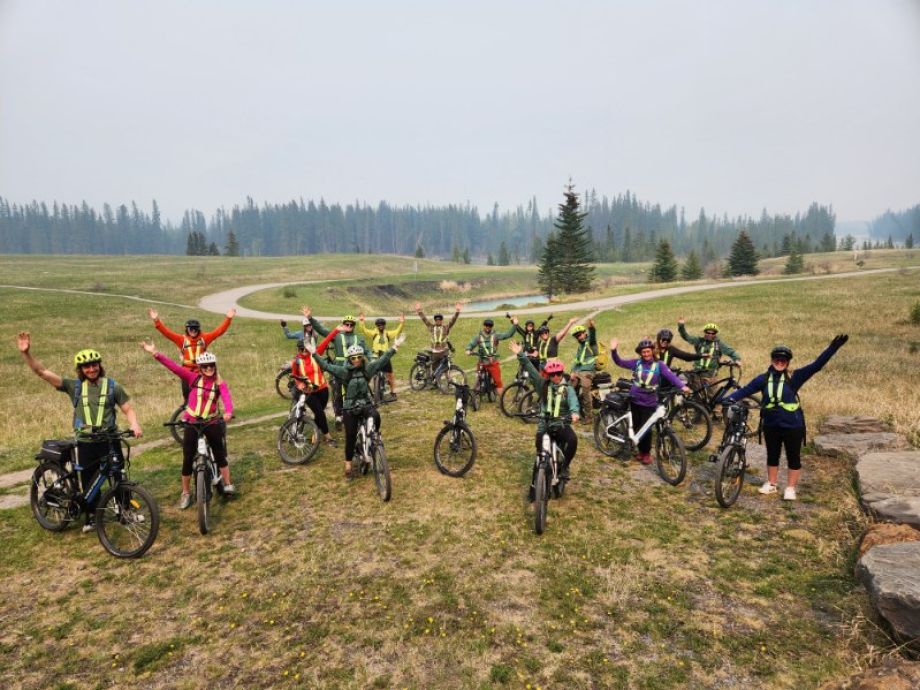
x=301, y=345
x=578, y=329
x=305, y=321
x=542, y=329
x=349, y=319
x=780, y=351
x=86, y=357
x=711, y=327
x=380, y=322
x=438, y=317
x=643, y=344
x=529, y=322
x=488, y=322
x=354, y=351
x=193, y=325
x=206, y=358
x=553, y=366
x=665, y=334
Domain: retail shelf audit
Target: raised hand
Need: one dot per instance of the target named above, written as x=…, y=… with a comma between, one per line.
x=681, y=321
x=613, y=343
x=400, y=339
x=361, y=317
x=402, y=318
x=306, y=311
x=515, y=347
x=153, y=313
x=24, y=342
x=283, y=323
x=591, y=323
x=514, y=320
x=839, y=340
x=231, y=312
x=573, y=320
x=149, y=347
x=417, y=306
x=458, y=306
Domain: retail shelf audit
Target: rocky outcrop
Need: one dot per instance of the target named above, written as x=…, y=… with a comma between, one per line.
x=839, y=424
x=891, y=574
x=854, y=446
x=889, y=485
x=882, y=533
x=891, y=674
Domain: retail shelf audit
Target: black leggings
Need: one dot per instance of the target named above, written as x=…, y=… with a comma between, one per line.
x=215, y=433
x=316, y=401
x=336, y=386
x=567, y=441
x=351, y=422
x=640, y=415
x=777, y=438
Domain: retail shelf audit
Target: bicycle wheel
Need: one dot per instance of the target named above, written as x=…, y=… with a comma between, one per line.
x=670, y=457
x=474, y=398
x=202, y=500
x=51, y=497
x=732, y=463
x=127, y=520
x=510, y=402
x=490, y=390
x=611, y=434
x=540, y=501
x=381, y=471
x=417, y=377
x=692, y=423
x=529, y=407
x=297, y=441
x=283, y=383
x=455, y=450
x=176, y=431
x=452, y=375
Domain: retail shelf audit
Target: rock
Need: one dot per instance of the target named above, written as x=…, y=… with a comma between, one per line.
x=852, y=446
x=891, y=574
x=891, y=674
x=10, y=501
x=889, y=485
x=882, y=533
x=840, y=424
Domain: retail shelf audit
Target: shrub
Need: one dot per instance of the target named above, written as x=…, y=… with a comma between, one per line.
x=915, y=314
x=289, y=292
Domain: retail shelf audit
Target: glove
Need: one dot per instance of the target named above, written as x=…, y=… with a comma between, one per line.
x=283, y=323
x=839, y=341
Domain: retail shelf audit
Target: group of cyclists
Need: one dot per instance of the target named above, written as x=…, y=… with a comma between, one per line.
x=345, y=359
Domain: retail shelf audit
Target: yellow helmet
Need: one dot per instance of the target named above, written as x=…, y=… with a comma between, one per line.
x=86, y=357
x=711, y=327
x=578, y=329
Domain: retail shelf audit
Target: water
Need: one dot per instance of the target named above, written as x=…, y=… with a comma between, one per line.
x=491, y=305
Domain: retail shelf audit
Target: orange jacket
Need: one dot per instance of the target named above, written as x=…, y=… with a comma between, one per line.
x=189, y=348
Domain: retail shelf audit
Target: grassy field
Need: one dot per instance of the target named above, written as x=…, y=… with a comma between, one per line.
x=310, y=582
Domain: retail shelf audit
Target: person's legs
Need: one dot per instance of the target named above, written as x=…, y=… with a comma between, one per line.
x=773, y=440
x=792, y=442
x=350, y=422
x=640, y=415
x=317, y=401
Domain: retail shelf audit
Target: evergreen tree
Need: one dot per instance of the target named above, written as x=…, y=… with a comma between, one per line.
x=504, y=258
x=794, y=263
x=466, y=255
x=847, y=243
x=490, y=261
x=828, y=242
x=547, y=273
x=419, y=251
x=213, y=250
x=909, y=241
x=890, y=243
x=233, y=247
x=743, y=257
x=664, y=269
x=455, y=254
x=691, y=269
x=574, y=264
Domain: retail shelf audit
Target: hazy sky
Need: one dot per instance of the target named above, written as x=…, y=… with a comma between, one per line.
x=733, y=105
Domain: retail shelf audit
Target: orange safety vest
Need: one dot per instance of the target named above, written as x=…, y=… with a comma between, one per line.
x=314, y=374
x=191, y=349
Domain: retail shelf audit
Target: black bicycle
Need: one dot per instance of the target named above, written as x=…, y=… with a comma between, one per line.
x=455, y=445
x=425, y=372
x=174, y=425
x=370, y=453
x=380, y=389
x=515, y=393
x=484, y=388
x=690, y=420
x=127, y=517
x=205, y=472
x=547, y=479
x=711, y=395
x=732, y=453
x=283, y=381
x=298, y=437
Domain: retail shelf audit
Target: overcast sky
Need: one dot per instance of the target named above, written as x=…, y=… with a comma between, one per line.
x=733, y=106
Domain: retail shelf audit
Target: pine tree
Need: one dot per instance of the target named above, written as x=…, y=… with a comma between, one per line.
x=213, y=250
x=466, y=255
x=691, y=269
x=490, y=261
x=419, y=251
x=909, y=241
x=794, y=264
x=455, y=254
x=504, y=258
x=233, y=247
x=574, y=263
x=664, y=269
x=547, y=273
x=743, y=258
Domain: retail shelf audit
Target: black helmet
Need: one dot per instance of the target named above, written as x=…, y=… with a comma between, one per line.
x=542, y=329
x=643, y=344
x=780, y=352
x=193, y=325
x=665, y=334
x=529, y=322
x=438, y=317
x=300, y=344
x=380, y=322
x=488, y=322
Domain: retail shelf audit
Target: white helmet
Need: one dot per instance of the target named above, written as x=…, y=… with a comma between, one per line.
x=305, y=321
x=354, y=351
x=206, y=358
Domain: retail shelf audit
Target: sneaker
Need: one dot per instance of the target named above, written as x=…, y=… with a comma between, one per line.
x=767, y=488
x=789, y=494
x=331, y=442
x=646, y=458
x=88, y=527
x=185, y=501
x=338, y=423
x=229, y=489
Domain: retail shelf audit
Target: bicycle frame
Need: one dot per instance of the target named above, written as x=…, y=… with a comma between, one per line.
x=550, y=456
x=109, y=468
x=661, y=411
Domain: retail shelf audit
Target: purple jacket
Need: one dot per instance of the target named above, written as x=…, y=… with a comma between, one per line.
x=645, y=397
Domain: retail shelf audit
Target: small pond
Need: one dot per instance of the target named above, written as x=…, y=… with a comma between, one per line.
x=490, y=305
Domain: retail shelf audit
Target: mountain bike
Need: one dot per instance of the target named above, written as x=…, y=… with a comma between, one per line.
x=614, y=435
x=425, y=372
x=380, y=389
x=690, y=420
x=515, y=392
x=547, y=480
x=283, y=381
x=455, y=445
x=732, y=453
x=205, y=472
x=173, y=423
x=710, y=395
x=370, y=453
x=298, y=437
x=127, y=517
x=484, y=388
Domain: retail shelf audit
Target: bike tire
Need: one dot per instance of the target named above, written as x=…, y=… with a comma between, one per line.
x=297, y=441
x=112, y=520
x=670, y=457
x=611, y=434
x=381, y=472
x=282, y=383
x=176, y=431
x=453, y=374
x=540, y=501
x=691, y=421
x=732, y=463
x=51, y=506
x=474, y=399
x=418, y=377
x=529, y=408
x=510, y=402
x=202, y=501
x=455, y=458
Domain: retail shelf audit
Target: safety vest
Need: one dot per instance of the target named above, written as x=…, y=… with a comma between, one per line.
x=581, y=357
x=313, y=373
x=202, y=405
x=487, y=349
x=774, y=401
x=543, y=349
x=438, y=335
x=666, y=357
x=380, y=342
x=708, y=353
x=81, y=402
x=650, y=373
x=530, y=340
x=192, y=348
x=344, y=345
x=554, y=397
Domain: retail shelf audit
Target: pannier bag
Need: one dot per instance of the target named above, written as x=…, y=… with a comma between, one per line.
x=422, y=357
x=601, y=378
x=56, y=451
x=617, y=400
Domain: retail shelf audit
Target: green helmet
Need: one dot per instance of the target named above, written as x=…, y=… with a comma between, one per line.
x=711, y=327
x=349, y=319
x=578, y=329
x=86, y=357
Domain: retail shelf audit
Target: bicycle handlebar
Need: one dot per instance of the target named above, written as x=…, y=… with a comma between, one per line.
x=105, y=435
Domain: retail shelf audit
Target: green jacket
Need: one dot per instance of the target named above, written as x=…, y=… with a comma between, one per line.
x=356, y=392
x=486, y=344
x=710, y=352
x=564, y=394
x=586, y=354
x=342, y=340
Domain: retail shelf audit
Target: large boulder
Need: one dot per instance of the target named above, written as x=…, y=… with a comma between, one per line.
x=891, y=674
x=889, y=485
x=881, y=533
x=852, y=446
x=857, y=424
x=891, y=574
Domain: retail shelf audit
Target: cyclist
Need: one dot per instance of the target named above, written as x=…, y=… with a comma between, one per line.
x=529, y=339
x=559, y=406
x=344, y=339
x=781, y=411
x=94, y=398
x=648, y=374
x=585, y=366
x=192, y=342
x=380, y=343
x=486, y=344
x=667, y=353
x=548, y=346
x=354, y=376
x=207, y=390
x=307, y=334
x=710, y=348
x=439, y=332
x=309, y=380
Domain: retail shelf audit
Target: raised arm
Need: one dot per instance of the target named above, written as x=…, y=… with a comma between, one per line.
x=565, y=329
x=24, y=343
x=177, y=369
x=457, y=307
x=682, y=329
x=677, y=353
x=802, y=374
x=510, y=332
x=330, y=336
x=220, y=330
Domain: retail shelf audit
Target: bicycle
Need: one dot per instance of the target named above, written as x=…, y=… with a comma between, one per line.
x=127, y=517
x=614, y=435
x=710, y=395
x=455, y=445
x=425, y=373
x=206, y=474
x=732, y=454
x=173, y=423
x=689, y=419
x=547, y=479
x=485, y=387
x=515, y=393
x=370, y=453
x=298, y=437
x=380, y=389
x=283, y=381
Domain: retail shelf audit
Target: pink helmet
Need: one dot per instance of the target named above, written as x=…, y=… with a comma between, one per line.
x=553, y=366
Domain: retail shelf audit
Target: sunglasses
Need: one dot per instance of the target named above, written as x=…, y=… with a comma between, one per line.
x=207, y=366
